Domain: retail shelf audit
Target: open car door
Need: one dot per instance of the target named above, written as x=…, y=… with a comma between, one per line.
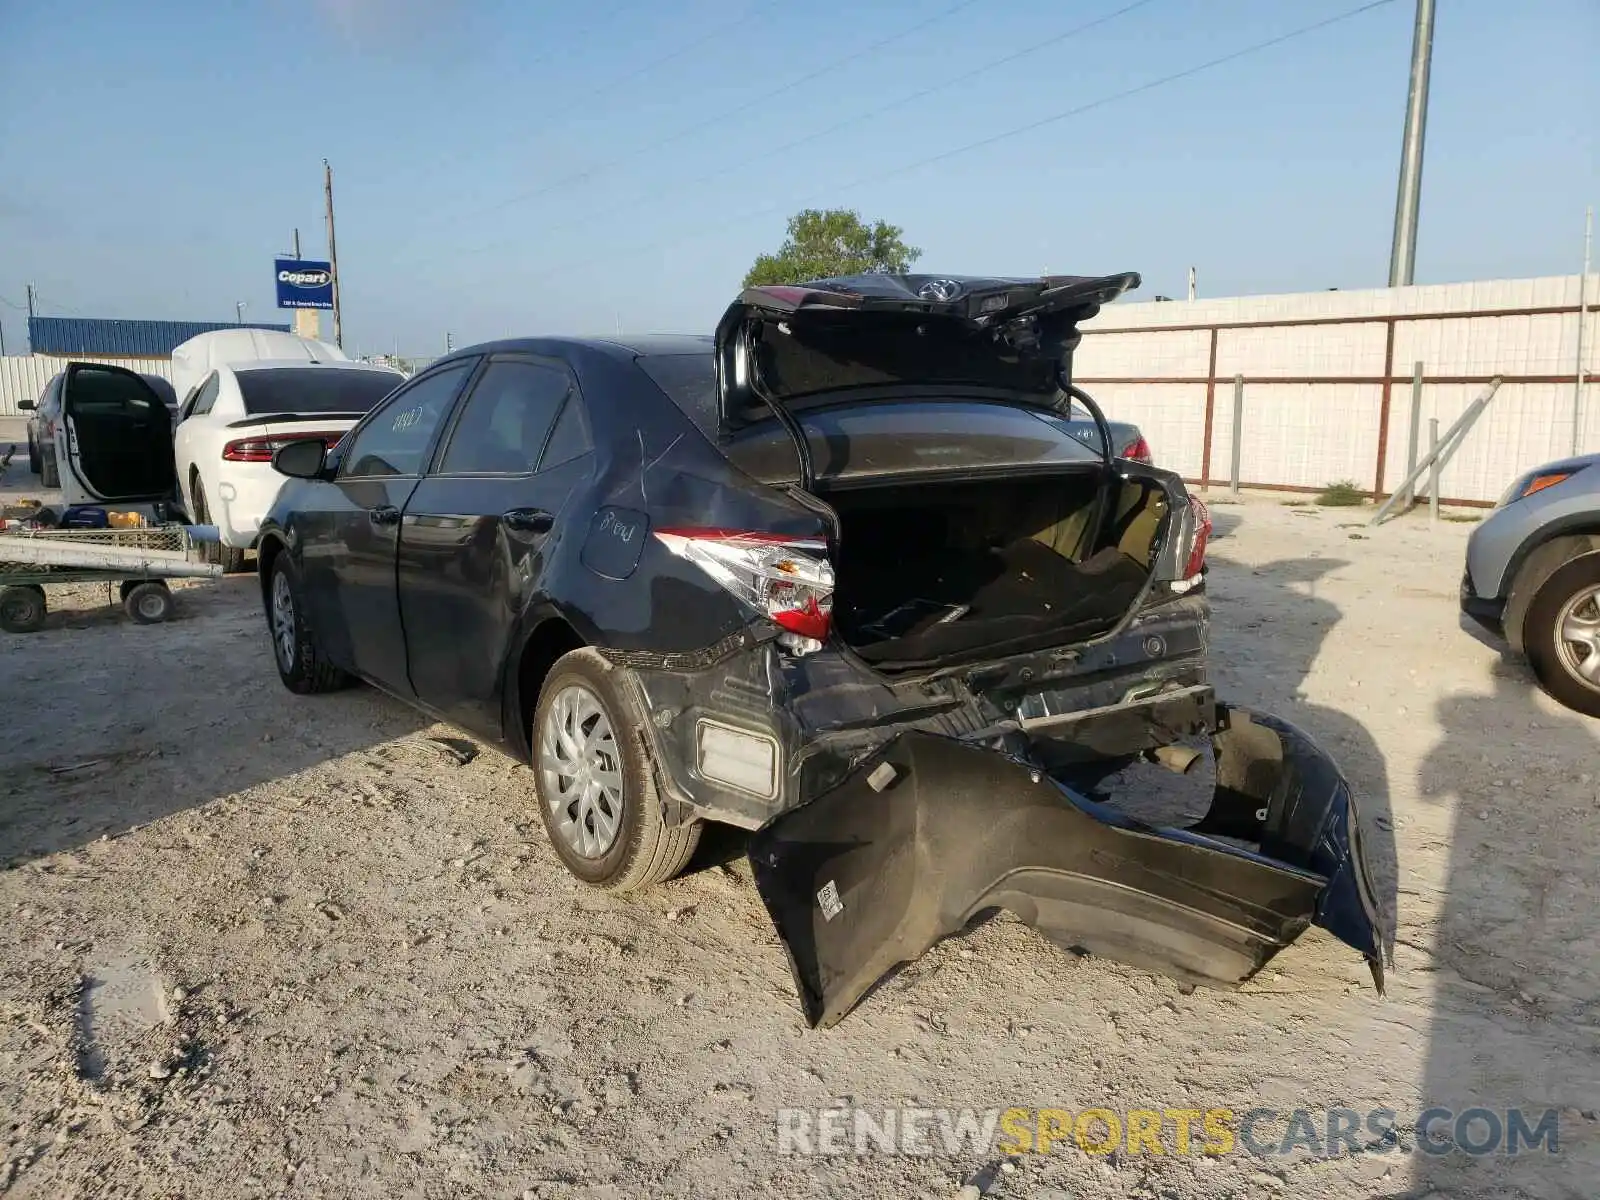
x=114, y=439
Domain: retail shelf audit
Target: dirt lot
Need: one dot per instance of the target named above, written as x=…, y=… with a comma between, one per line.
x=253, y=944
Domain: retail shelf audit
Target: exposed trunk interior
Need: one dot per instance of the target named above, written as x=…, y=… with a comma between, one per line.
x=937, y=571
x=124, y=435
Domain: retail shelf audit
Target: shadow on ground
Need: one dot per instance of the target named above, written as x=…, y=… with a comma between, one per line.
x=112, y=725
x=1516, y=952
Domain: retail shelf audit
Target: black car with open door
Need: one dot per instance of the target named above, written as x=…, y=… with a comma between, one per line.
x=845, y=575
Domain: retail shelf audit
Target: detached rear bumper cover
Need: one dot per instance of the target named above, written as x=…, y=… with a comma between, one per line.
x=863, y=880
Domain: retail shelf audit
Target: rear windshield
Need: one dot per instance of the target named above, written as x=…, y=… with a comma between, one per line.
x=314, y=390
x=690, y=380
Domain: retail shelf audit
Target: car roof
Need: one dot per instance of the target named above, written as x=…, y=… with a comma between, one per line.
x=643, y=345
x=301, y=364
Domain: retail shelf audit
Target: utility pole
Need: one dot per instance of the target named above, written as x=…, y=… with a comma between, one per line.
x=449, y=342
x=297, y=245
x=1403, y=255
x=238, y=312
x=333, y=253
x=1191, y=283
x=30, y=301
x=1583, y=321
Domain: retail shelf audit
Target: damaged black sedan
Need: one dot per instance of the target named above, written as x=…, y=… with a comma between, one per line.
x=848, y=575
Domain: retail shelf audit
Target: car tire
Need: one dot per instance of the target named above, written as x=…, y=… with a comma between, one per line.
x=49, y=474
x=302, y=665
x=1569, y=600
x=33, y=457
x=230, y=557
x=22, y=607
x=609, y=829
x=148, y=603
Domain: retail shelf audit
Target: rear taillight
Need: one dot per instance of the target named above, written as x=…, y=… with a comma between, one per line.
x=263, y=448
x=1196, y=534
x=1138, y=450
x=786, y=579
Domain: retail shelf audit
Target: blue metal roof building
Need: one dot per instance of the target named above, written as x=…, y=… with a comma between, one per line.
x=67, y=336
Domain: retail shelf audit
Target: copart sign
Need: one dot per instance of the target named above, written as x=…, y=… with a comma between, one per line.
x=303, y=284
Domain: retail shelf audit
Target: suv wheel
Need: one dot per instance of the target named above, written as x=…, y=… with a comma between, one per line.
x=1562, y=635
x=301, y=663
x=597, y=792
x=33, y=457
x=49, y=472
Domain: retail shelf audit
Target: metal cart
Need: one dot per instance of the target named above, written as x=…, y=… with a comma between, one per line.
x=140, y=560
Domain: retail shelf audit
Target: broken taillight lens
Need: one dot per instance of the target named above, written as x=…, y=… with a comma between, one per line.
x=1139, y=451
x=786, y=579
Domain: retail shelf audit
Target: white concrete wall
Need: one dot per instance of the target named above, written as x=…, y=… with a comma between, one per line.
x=23, y=376
x=1311, y=434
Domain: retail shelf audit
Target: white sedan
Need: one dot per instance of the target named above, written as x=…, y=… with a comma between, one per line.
x=234, y=420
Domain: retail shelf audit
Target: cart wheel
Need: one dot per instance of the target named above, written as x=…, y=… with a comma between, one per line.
x=126, y=586
x=148, y=603
x=22, y=607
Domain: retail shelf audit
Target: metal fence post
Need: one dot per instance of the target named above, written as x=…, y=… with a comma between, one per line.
x=1433, y=469
x=1416, y=430
x=1238, y=431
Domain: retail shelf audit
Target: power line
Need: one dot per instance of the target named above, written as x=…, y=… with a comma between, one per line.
x=10, y=304
x=858, y=118
x=723, y=117
x=722, y=30
x=1006, y=135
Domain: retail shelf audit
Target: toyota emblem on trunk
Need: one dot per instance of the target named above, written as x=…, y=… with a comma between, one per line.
x=943, y=290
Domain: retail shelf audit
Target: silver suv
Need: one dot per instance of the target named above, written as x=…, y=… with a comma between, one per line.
x=1533, y=577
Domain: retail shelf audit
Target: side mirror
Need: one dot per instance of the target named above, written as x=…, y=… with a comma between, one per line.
x=301, y=460
x=26, y=406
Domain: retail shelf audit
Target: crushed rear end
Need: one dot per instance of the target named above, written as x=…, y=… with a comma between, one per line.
x=952, y=608
x=931, y=833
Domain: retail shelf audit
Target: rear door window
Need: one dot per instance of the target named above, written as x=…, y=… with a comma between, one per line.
x=396, y=439
x=506, y=420
x=205, y=397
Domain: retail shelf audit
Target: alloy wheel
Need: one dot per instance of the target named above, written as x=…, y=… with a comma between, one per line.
x=1578, y=636
x=283, y=630
x=580, y=771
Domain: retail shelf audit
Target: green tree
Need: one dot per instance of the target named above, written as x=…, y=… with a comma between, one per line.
x=835, y=241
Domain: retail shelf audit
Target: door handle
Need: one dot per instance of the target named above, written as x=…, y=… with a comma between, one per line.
x=529, y=520
x=384, y=514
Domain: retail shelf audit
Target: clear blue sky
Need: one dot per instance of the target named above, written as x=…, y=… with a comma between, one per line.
x=499, y=165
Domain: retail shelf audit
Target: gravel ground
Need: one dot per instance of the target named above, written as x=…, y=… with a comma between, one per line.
x=253, y=944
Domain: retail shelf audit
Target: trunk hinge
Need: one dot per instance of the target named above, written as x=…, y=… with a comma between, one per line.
x=802, y=444
x=1102, y=500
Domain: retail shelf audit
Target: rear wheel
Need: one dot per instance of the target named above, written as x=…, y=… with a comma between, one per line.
x=22, y=607
x=49, y=475
x=597, y=792
x=148, y=603
x=301, y=663
x=231, y=557
x=33, y=457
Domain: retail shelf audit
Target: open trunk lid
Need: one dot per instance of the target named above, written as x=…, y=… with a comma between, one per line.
x=861, y=338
